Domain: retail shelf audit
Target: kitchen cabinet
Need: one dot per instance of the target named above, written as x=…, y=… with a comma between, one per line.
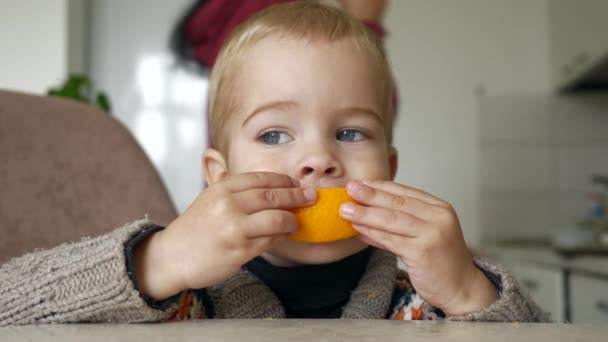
x=589, y=298
x=545, y=285
x=579, y=42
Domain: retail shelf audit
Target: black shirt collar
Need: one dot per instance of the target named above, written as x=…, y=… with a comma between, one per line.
x=312, y=291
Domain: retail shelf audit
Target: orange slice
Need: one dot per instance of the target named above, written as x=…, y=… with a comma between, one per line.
x=321, y=222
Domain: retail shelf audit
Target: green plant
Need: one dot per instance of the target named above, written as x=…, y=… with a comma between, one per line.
x=80, y=88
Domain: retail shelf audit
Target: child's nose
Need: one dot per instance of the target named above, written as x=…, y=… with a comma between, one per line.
x=320, y=166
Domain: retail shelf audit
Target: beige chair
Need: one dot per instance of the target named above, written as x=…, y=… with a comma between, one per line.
x=67, y=171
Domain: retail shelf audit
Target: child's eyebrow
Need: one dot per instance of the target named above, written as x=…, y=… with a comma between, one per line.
x=286, y=105
x=362, y=110
x=281, y=105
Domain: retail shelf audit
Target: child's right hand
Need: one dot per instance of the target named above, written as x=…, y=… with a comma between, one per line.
x=230, y=223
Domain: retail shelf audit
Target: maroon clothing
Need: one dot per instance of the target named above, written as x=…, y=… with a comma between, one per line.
x=213, y=22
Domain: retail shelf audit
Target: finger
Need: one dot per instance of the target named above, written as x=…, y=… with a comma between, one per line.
x=366, y=239
x=254, y=200
x=404, y=190
x=251, y=180
x=262, y=244
x=270, y=223
x=393, y=221
x=381, y=239
x=373, y=197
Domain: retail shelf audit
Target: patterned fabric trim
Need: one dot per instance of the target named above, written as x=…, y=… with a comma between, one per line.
x=406, y=303
x=190, y=306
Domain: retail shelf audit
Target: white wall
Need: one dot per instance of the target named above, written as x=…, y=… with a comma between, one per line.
x=443, y=53
x=33, y=44
x=538, y=155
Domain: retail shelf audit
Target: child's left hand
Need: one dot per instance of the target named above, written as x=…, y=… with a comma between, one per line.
x=425, y=233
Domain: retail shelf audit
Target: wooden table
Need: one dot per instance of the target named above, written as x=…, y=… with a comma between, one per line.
x=306, y=330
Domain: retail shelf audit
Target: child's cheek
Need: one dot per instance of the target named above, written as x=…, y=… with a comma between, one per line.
x=259, y=163
x=370, y=165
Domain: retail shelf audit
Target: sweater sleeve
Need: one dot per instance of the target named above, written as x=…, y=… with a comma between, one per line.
x=514, y=305
x=85, y=281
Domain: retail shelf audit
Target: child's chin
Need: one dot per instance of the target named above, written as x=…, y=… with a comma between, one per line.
x=298, y=252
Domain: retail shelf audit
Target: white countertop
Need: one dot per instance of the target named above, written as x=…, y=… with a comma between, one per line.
x=305, y=330
x=544, y=255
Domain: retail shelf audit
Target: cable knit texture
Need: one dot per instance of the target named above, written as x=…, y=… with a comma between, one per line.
x=513, y=305
x=85, y=281
x=88, y=281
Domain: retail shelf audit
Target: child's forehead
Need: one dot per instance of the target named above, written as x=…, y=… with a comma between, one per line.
x=319, y=75
x=291, y=69
x=278, y=42
x=295, y=58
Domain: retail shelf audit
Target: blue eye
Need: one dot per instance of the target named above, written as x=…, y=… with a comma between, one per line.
x=275, y=137
x=350, y=135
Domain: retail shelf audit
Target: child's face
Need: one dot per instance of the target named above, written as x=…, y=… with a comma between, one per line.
x=311, y=110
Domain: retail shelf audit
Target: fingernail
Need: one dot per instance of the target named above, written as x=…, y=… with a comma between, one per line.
x=295, y=182
x=310, y=194
x=347, y=209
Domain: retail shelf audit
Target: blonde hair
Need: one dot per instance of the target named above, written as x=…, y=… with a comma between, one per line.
x=300, y=20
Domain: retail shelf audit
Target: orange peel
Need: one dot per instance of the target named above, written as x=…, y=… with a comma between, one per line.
x=321, y=222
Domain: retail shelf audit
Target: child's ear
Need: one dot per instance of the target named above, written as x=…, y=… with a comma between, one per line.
x=214, y=166
x=393, y=161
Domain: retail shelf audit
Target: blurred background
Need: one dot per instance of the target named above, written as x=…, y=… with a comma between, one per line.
x=503, y=112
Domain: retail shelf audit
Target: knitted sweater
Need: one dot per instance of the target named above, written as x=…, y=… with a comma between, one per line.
x=88, y=281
